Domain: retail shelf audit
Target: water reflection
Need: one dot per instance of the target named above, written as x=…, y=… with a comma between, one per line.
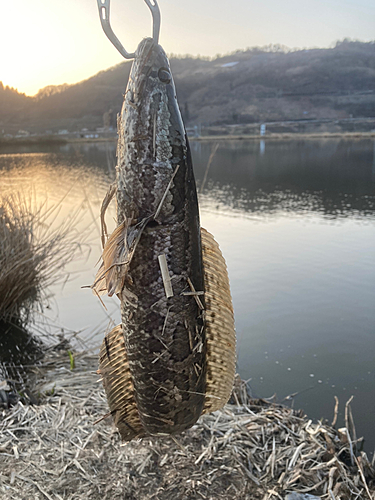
x=334, y=177
x=295, y=220
x=76, y=179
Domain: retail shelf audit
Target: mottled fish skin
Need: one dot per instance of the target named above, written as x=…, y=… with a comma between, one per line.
x=164, y=337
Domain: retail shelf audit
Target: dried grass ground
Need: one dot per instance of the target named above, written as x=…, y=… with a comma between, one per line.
x=249, y=450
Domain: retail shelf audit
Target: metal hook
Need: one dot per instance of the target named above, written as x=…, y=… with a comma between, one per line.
x=103, y=6
x=155, y=11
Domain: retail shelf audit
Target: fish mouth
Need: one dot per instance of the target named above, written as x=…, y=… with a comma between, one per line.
x=144, y=47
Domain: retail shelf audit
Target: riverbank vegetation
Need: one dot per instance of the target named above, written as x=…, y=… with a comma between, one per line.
x=33, y=255
x=68, y=448
x=34, y=250
x=256, y=85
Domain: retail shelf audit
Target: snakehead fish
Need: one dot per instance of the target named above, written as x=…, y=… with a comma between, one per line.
x=173, y=356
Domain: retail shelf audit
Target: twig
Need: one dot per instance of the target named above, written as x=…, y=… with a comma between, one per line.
x=363, y=479
x=213, y=152
x=335, y=411
x=165, y=193
x=195, y=294
x=349, y=422
x=165, y=275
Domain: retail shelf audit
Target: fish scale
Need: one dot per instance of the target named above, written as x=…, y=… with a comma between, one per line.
x=174, y=351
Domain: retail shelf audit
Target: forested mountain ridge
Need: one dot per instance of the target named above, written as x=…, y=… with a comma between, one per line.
x=259, y=84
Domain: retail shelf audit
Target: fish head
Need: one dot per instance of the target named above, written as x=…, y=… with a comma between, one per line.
x=152, y=138
x=151, y=71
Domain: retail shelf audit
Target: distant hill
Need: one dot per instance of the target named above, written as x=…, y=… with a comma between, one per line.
x=259, y=84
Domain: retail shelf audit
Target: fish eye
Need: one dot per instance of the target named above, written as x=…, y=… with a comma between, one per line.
x=164, y=75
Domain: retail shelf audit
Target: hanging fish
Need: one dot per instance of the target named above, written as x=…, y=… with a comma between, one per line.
x=173, y=356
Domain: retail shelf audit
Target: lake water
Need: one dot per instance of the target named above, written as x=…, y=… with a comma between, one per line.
x=295, y=221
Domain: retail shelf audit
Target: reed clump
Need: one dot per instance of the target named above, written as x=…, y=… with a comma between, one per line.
x=33, y=253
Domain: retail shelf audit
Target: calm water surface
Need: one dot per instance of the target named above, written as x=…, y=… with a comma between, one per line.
x=295, y=221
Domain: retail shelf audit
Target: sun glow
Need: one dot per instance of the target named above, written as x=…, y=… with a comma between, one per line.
x=47, y=42
x=47, y=45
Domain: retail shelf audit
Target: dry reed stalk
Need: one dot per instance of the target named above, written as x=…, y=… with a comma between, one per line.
x=212, y=155
x=253, y=449
x=32, y=254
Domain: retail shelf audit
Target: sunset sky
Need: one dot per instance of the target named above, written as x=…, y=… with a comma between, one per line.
x=46, y=42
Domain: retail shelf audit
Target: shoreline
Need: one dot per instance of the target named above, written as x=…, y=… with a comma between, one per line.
x=65, y=448
x=57, y=141
x=287, y=136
